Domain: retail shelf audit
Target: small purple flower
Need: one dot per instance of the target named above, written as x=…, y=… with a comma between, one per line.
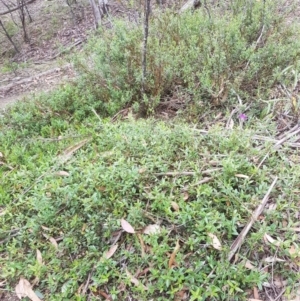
x=243, y=117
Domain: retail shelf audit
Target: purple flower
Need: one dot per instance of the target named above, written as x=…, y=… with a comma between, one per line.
x=243, y=117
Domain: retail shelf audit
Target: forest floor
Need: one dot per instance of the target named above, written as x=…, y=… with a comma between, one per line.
x=55, y=32
x=41, y=64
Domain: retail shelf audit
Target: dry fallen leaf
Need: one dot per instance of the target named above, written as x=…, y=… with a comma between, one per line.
x=230, y=124
x=249, y=265
x=173, y=255
x=68, y=152
x=271, y=240
x=111, y=251
x=175, y=206
x=39, y=257
x=127, y=227
x=135, y=281
x=181, y=295
x=53, y=242
x=62, y=173
x=45, y=228
x=143, y=247
x=273, y=259
x=255, y=293
x=152, y=229
x=23, y=289
x=242, y=176
x=185, y=196
x=142, y=170
x=2, y=283
x=215, y=241
x=295, y=229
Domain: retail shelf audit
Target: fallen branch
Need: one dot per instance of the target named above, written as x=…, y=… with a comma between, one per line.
x=269, y=139
x=16, y=8
x=186, y=173
x=86, y=286
x=175, y=173
x=289, y=131
x=67, y=49
x=203, y=181
x=32, y=78
x=277, y=145
x=240, y=239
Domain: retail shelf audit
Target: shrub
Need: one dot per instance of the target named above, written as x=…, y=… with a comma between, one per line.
x=206, y=56
x=198, y=58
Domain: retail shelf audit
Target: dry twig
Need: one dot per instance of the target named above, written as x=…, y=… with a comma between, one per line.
x=186, y=173
x=240, y=239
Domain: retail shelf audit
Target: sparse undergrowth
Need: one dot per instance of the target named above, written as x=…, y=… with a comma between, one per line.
x=77, y=189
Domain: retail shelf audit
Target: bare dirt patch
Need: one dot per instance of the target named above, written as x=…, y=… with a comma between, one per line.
x=15, y=88
x=9, y=297
x=39, y=64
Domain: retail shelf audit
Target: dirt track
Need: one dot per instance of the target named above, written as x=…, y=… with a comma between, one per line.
x=14, y=89
x=53, y=33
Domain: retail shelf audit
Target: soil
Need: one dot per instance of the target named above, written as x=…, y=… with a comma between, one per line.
x=43, y=58
x=9, y=297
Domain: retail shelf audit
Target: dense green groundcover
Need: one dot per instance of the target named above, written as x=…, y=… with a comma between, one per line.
x=69, y=175
x=51, y=190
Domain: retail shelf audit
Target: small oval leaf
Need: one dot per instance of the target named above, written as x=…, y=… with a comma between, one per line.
x=271, y=240
x=53, y=242
x=173, y=255
x=62, y=173
x=152, y=229
x=215, y=241
x=127, y=227
x=39, y=257
x=23, y=289
x=175, y=206
x=111, y=251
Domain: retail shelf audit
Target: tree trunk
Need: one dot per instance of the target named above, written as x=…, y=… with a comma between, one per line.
x=8, y=36
x=22, y=15
x=144, y=54
x=97, y=13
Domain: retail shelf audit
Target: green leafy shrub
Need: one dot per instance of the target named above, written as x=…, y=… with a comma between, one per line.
x=196, y=58
x=205, y=56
